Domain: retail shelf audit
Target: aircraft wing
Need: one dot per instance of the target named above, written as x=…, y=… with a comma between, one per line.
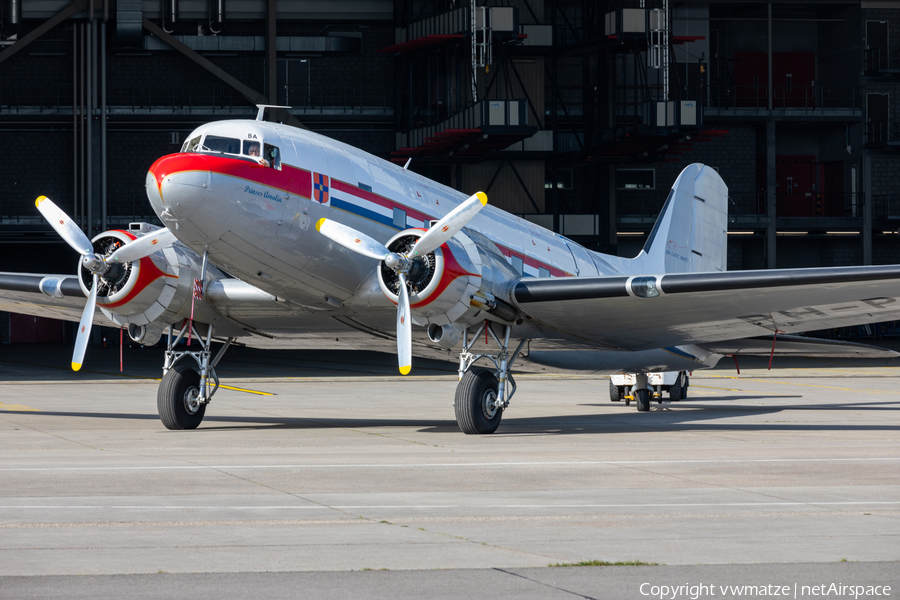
x=798, y=346
x=61, y=297
x=645, y=312
x=53, y=296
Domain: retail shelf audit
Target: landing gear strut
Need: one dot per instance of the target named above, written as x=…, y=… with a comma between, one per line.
x=483, y=395
x=641, y=392
x=184, y=391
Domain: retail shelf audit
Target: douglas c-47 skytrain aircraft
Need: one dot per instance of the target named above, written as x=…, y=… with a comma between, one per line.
x=272, y=230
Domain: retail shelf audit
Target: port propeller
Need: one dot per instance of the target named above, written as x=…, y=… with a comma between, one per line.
x=96, y=264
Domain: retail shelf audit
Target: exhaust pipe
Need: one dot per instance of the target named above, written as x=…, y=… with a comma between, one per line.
x=216, y=16
x=12, y=13
x=446, y=336
x=146, y=335
x=169, y=15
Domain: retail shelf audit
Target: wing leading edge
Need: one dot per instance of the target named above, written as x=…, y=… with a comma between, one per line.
x=645, y=312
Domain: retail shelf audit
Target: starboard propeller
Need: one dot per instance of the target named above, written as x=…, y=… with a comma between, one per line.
x=430, y=241
x=96, y=264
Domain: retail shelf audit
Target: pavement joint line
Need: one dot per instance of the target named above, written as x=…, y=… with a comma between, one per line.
x=481, y=464
x=543, y=584
x=433, y=506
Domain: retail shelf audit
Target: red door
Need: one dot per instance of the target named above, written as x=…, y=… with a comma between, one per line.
x=751, y=77
x=793, y=78
x=794, y=179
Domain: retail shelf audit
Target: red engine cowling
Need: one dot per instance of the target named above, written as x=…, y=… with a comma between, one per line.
x=443, y=282
x=146, y=294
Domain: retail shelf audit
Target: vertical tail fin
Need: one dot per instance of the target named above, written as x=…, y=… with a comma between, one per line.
x=691, y=233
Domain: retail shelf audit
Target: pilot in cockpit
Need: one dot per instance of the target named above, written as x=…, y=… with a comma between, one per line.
x=251, y=149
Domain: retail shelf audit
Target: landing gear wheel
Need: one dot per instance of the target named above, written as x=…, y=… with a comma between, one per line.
x=678, y=390
x=177, y=399
x=614, y=392
x=476, y=394
x=643, y=400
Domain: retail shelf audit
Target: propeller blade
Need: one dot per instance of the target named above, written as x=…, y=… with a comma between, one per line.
x=84, y=327
x=447, y=227
x=142, y=246
x=352, y=239
x=64, y=226
x=404, y=328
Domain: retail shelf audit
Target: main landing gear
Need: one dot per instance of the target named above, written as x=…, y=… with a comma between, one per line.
x=483, y=394
x=185, y=391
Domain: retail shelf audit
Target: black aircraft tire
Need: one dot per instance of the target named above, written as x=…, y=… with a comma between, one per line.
x=475, y=388
x=174, y=389
x=613, y=392
x=643, y=400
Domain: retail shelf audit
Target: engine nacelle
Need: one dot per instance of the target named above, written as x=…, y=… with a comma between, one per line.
x=443, y=283
x=145, y=294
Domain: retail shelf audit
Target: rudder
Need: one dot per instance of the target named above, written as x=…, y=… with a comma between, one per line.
x=691, y=233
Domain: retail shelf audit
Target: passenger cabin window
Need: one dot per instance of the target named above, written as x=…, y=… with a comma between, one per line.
x=518, y=264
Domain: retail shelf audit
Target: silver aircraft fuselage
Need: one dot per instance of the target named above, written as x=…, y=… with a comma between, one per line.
x=256, y=216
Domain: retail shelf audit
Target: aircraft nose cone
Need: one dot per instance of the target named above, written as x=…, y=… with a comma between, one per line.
x=177, y=185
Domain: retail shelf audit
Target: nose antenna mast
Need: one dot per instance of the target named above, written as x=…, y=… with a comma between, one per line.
x=262, y=110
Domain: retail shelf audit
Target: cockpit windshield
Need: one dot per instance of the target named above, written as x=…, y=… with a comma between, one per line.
x=226, y=145
x=266, y=155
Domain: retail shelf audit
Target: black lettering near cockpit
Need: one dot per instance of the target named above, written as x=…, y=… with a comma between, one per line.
x=252, y=136
x=879, y=302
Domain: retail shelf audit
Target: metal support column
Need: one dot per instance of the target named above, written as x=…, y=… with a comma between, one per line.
x=613, y=226
x=769, y=90
x=89, y=116
x=554, y=125
x=771, y=215
x=75, y=129
x=271, y=53
x=867, y=209
x=103, y=197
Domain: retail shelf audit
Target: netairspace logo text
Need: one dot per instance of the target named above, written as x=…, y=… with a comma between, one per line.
x=795, y=591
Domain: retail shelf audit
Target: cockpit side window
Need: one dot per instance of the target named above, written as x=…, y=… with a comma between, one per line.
x=215, y=143
x=191, y=145
x=251, y=148
x=273, y=155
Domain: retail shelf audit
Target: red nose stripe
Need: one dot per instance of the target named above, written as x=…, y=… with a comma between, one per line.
x=290, y=179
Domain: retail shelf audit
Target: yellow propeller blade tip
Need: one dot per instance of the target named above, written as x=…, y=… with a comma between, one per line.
x=319, y=224
x=76, y=366
x=39, y=200
x=405, y=370
x=483, y=197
